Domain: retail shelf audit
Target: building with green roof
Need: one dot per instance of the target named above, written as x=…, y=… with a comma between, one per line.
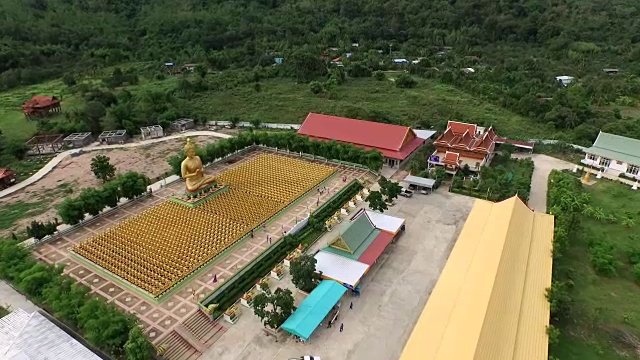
x=355, y=240
x=614, y=154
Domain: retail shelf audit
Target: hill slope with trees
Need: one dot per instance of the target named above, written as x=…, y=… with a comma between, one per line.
x=517, y=47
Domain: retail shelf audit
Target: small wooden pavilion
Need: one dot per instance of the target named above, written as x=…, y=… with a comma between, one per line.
x=45, y=144
x=41, y=106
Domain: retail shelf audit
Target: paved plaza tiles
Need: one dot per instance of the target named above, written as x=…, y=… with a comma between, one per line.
x=161, y=321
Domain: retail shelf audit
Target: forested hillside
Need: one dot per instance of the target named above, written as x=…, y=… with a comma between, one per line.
x=517, y=47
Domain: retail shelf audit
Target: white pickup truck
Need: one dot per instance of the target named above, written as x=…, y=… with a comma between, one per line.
x=406, y=193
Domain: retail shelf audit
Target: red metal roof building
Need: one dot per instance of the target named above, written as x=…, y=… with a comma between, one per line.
x=395, y=142
x=464, y=144
x=40, y=106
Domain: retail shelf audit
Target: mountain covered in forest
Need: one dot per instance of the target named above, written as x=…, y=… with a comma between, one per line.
x=517, y=46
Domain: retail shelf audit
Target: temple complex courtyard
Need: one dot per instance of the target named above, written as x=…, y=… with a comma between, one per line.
x=175, y=320
x=394, y=292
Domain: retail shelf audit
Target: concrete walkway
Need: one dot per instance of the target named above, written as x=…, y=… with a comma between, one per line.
x=58, y=158
x=11, y=299
x=543, y=166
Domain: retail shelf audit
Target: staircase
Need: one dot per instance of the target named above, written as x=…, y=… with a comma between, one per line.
x=178, y=348
x=189, y=339
x=203, y=329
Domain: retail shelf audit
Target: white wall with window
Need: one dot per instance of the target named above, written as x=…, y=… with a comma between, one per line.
x=605, y=164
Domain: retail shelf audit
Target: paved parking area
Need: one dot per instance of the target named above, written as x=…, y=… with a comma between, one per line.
x=393, y=293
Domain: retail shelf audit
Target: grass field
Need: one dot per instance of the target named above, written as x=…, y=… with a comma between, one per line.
x=13, y=123
x=11, y=213
x=283, y=101
x=603, y=306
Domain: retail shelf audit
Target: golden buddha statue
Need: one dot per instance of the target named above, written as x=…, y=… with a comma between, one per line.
x=191, y=169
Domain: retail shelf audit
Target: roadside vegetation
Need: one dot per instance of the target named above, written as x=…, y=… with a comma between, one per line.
x=101, y=324
x=594, y=296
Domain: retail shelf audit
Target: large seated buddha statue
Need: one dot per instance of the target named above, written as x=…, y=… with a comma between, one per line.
x=193, y=173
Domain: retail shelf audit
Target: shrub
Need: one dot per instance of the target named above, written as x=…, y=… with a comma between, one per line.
x=603, y=259
x=559, y=299
x=379, y=75
x=39, y=230
x=405, y=81
x=554, y=334
x=316, y=87
x=636, y=272
x=634, y=256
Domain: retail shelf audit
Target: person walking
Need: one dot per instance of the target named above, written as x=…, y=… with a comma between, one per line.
x=341, y=327
x=215, y=278
x=351, y=306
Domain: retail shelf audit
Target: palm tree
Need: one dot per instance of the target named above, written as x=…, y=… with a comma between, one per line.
x=256, y=123
x=233, y=121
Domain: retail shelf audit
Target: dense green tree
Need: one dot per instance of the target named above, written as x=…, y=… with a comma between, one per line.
x=71, y=211
x=376, y=201
x=303, y=273
x=273, y=308
x=34, y=280
x=102, y=168
x=306, y=66
x=39, y=230
x=137, y=346
x=390, y=189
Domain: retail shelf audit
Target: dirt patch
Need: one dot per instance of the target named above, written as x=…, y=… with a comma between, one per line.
x=74, y=174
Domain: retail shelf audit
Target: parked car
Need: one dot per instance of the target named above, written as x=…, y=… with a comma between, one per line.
x=406, y=193
x=306, y=357
x=424, y=192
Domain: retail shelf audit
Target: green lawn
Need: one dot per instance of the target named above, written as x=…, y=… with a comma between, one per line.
x=12, y=213
x=603, y=306
x=283, y=101
x=12, y=122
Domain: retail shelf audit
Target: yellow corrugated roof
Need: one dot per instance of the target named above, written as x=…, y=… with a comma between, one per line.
x=489, y=302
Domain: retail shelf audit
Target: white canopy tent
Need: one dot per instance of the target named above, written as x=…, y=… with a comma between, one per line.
x=341, y=269
x=420, y=181
x=384, y=222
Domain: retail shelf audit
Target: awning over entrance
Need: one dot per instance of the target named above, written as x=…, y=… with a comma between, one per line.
x=304, y=321
x=420, y=181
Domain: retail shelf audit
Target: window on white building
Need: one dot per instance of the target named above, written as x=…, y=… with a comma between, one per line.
x=604, y=162
x=633, y=169
x=592, y=157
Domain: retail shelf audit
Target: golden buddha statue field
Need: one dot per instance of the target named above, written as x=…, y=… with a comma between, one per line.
x=192, y=172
